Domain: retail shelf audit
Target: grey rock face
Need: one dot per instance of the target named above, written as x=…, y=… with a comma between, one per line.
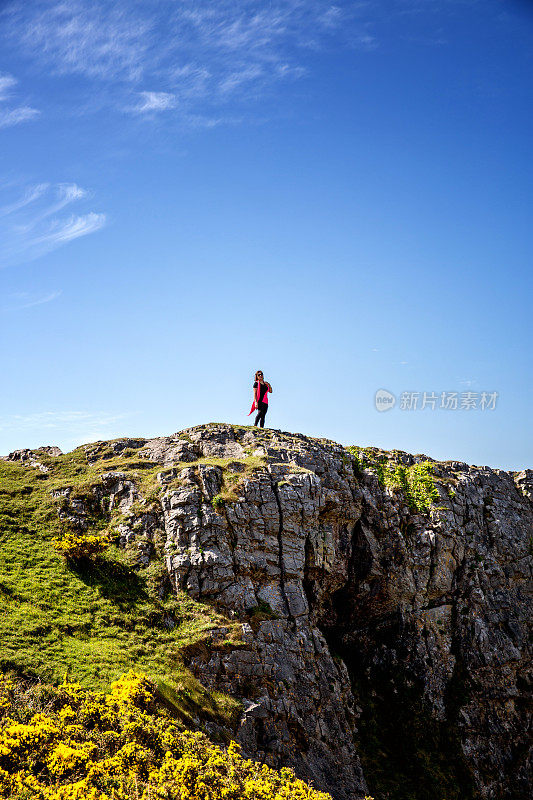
x=169, y=449
x=139, y=526
x=438, y=604
x=26, y=455
x=50, y=450
x=30, y=458
x=364, y=624
x=102, y=450
x=524, y=481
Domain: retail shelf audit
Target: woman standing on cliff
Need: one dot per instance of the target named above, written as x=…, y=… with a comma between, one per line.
x=261, y=388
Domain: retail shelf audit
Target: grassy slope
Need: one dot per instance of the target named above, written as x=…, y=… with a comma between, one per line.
x=100, y=621
x=96, y=622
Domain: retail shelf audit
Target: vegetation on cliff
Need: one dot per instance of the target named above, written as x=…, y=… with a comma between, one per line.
x=94, y=619
x=78, y=607
x=415, y=480
x=401, y=560
x=67, y=743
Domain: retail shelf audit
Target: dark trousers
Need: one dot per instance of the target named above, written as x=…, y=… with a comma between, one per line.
x=262, y=409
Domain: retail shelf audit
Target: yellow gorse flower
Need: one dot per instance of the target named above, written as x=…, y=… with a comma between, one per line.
x=81, y=544
x=122, y=746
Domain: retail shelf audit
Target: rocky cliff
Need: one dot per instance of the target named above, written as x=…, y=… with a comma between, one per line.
x=383, y=624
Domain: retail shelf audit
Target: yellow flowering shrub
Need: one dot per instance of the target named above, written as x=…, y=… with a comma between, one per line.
x=7, y=688
x=81, y=544
x=122, y=745
x=65, y=759
x=136, y=690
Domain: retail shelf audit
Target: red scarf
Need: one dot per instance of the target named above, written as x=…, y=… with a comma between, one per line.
x=256, y=400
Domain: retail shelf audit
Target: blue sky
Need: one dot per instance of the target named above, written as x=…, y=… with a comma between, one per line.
x=337, y=194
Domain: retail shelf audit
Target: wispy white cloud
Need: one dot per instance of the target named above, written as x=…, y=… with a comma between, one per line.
x=6, y=83
x=188, y=57
x=14, y=116
x=35, y=223
x=31, y=194
x=155, y=101
x=72, y=228
x=20, y=300
x=58, y=419
x=66, y=193
x=237, y=79
x=87, y=37
x=17, y=114
x=66, y=428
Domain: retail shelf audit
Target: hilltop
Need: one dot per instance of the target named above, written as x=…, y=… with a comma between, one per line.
x=358, y=615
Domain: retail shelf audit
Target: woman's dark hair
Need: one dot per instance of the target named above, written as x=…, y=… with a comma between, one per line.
x=259, y=372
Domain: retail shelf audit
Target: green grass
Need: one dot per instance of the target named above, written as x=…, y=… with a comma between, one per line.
x=94, y=620
x=416, y=481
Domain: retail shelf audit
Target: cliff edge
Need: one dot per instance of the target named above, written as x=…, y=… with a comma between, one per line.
x=379, y=604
